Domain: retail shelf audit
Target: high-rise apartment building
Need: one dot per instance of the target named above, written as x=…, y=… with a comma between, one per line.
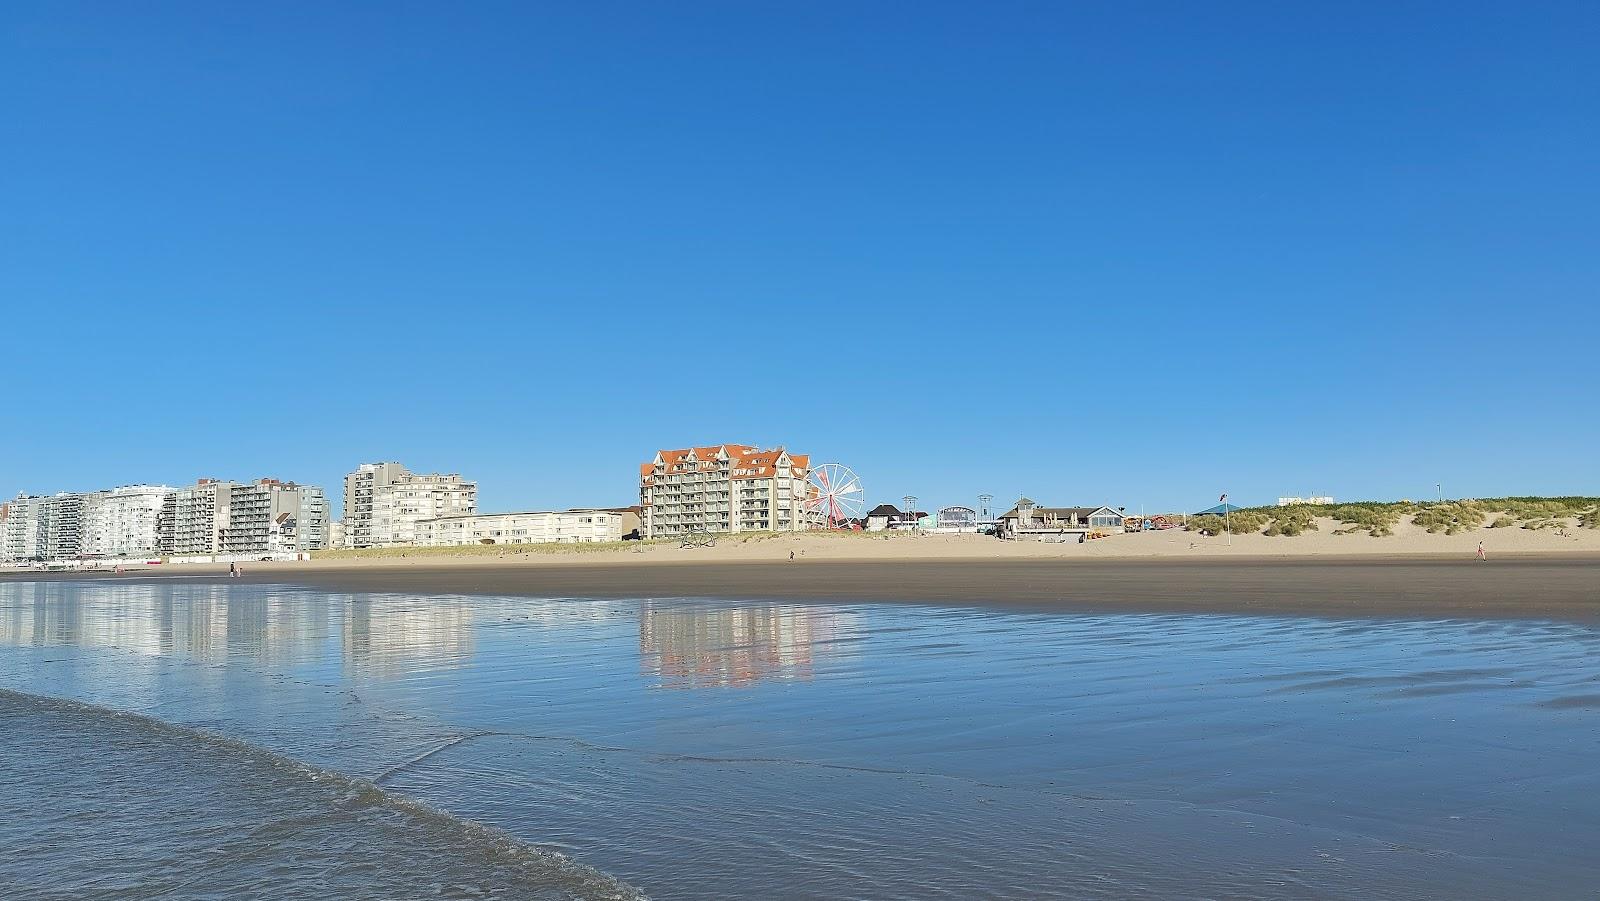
x=208, y=517
x=723, y=488
x=194, y=517
x=266, y=516
x=272, y=517
x=383, y=502
x=46, y=527
x=22, y=537
x=122, y=522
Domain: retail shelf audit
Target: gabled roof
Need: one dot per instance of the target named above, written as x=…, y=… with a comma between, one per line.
x=759, y=464
x=884, y=510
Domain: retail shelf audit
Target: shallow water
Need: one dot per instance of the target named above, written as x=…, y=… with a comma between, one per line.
x=709, y=749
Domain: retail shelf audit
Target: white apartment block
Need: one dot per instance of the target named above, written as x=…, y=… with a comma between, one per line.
x=545, y=527
x=383, y=502
x=120, y=522
x=123, y=522
x=43, y=527
x=723, y=488
x=208, y=517
x=336, y=533
x=22, y=534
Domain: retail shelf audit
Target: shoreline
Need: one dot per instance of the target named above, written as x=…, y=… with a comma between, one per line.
x=1542, y=586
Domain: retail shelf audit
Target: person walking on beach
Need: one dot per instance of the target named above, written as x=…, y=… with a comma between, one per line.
x=233, y=570
x=1481, y=557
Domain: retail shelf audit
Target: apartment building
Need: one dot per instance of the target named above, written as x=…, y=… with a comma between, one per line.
x=194, y=517
x=271, y=517
x=383, y=502
x=542, y=527
x=124, y=521
x=22, y=535
x=723, y=488
x=208, y=517
x=48, y=527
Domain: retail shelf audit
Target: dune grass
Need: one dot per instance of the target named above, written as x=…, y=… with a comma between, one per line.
x=1378, y=518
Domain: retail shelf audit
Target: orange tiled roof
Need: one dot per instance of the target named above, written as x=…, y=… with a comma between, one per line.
x=760, y=464
x=756, y=464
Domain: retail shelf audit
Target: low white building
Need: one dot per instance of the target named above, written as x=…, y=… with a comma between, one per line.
x=1294, y=501
x=543, y=527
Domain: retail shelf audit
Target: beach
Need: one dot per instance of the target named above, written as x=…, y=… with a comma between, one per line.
x=1528, y=575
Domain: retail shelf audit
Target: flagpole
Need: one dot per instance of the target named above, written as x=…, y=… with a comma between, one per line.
x=1227, y=521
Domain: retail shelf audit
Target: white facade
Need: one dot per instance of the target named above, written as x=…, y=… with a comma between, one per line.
x=383, y=502
x=336, y=533
x=1293, y=501
x=561, y=527
x=23, y=535
x=47, y=527
x=123, y=522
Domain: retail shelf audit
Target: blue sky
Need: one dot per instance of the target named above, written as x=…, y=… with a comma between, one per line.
x=1133, y=253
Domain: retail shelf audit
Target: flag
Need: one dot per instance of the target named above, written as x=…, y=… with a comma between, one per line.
x=1223, y=499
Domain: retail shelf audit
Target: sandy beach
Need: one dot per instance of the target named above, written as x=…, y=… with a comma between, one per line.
x=1529, y=574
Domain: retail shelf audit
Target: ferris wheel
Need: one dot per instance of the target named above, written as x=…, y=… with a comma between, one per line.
x=835, y=498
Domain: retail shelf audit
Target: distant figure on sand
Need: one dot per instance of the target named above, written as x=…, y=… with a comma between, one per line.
x=233, y=570
x=1480, y=552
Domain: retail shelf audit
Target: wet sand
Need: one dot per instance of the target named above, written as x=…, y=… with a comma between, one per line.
x=1543, y=587
x=295, y=741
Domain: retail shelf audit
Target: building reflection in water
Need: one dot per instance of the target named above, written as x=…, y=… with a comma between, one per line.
x=387, y=637
x=381, y=636
x=690, y=646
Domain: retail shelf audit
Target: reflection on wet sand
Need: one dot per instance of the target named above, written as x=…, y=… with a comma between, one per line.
x=695, y=646
x=219, y=623
x=386, y=638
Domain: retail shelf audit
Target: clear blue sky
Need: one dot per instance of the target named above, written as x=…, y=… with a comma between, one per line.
x=1138, y=253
